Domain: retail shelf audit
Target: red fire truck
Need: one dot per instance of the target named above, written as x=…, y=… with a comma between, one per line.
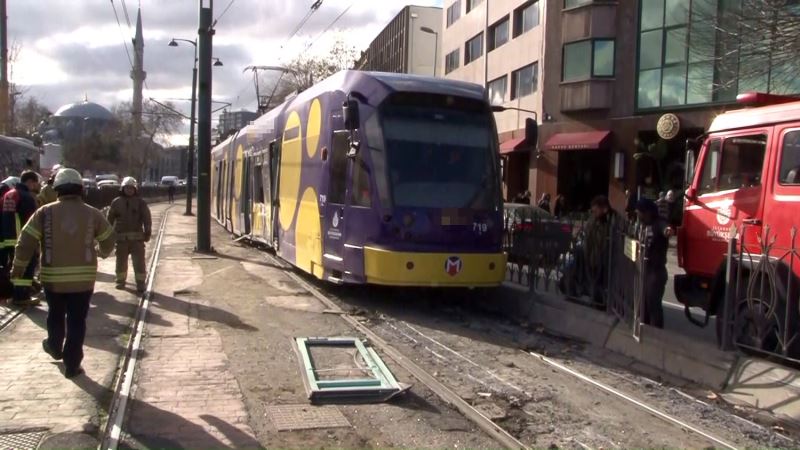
x=747, y=175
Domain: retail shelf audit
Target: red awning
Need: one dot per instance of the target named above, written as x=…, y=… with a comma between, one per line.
x=513, y=145
x=587, y=140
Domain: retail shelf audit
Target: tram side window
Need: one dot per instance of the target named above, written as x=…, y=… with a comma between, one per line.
x=790, y=159
x=338, y=171
x=258, y=184
x=742, y=161
x=362, y=195
x=708, y=183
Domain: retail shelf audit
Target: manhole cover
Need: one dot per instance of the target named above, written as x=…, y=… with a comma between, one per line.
x=21, y=441
x=306, y=417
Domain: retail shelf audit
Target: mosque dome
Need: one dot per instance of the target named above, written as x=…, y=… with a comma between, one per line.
x=85, y=109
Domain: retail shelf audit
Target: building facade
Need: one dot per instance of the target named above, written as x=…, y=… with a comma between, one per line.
x=403, y=47
x=621, y=86
x=232, y=121
x=504, y=51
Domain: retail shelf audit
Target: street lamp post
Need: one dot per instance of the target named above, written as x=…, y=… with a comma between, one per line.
x=192, y=120
x=435, y=46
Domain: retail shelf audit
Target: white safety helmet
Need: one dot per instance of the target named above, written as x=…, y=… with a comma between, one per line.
x=129, y=181
x=55, y=169
x=67, y=176
x=11, y=181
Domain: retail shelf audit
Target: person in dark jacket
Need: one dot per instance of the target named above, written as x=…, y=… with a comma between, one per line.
x=656, y=242
x=560, y=208
x=19, y=204
x=544, y=202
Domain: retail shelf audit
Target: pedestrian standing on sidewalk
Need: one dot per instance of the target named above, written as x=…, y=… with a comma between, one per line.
x=66, y=232
x=130, y=216
x=171, y=192
x=656, y=241
x=19, y=204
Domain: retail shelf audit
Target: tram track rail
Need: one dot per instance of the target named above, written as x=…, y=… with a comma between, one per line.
x=501, y=435
x=112, y=431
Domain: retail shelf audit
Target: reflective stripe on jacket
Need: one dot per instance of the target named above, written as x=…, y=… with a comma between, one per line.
x=18, y=206
x=65, y=232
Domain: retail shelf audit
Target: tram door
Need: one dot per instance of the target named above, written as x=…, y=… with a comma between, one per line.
x=274, y=182
x=334, y=221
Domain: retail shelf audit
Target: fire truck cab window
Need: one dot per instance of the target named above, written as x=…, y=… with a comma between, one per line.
x=790, y=159
x=708, y=183
x=742, y=162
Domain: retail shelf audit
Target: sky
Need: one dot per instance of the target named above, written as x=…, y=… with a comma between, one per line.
x=73, y=49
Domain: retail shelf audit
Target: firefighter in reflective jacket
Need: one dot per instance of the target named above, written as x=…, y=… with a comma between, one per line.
x=130, y=217
x=66, y=232
x=19, y=204
x=48, y=194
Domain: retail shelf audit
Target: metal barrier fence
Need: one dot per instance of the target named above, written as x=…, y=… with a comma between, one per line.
x=761, y=313
x=596, y=265
x=100, y=198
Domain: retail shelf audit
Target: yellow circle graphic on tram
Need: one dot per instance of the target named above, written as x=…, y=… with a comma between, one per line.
x=291, y=164
x=308, y=234
x=313, y=128
x=238, y=178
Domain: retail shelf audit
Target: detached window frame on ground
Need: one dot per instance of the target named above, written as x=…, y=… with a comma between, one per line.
x=380, y=387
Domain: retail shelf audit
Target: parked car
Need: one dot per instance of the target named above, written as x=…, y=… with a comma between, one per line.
x=89, y=183
x=106, y=177
x=520, y=216
x=108, y=184
x=169, y=180
x=181, y=182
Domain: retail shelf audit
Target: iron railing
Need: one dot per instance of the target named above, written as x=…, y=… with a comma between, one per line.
x=761, y=310
x=556, y=256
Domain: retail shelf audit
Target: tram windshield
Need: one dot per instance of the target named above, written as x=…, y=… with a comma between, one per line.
x=439, y=154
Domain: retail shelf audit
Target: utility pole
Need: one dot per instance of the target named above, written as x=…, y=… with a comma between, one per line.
x=4, y=84
x=192, y=120
x=204, y=44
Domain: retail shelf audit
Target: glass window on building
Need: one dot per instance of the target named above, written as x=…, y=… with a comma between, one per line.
x=698, y=54
x=471, y=4
x=451, y=61
x=525, y=81
x=497, y=90
x=473, y=49
x=576, y=3
x=498, y=33
x=588, y=59
x=453, y=12
x=526, y=17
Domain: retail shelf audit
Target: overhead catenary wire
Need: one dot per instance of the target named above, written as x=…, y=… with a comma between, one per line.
x=328, y=28
x=124, y=39
x=213, y=24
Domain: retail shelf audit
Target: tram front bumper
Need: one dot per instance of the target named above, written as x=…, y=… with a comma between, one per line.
x=392, y=268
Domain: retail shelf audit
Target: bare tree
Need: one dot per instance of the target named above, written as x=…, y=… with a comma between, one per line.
x=306, y=70
x=753, y=44
x=159, y=122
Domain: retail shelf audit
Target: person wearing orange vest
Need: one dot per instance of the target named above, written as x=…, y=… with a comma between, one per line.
x=66, y=233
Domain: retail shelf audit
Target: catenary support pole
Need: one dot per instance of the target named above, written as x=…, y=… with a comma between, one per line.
x=205, y=35
x=5, y=127
x=190, y=162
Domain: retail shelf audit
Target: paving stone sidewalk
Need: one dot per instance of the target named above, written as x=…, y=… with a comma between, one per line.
x=184, y=395
x=34, y=395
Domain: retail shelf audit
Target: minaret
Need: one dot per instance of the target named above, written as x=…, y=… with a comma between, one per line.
x=138, y=75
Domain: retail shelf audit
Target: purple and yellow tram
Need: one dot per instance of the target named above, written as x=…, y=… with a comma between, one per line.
x=371, y=178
